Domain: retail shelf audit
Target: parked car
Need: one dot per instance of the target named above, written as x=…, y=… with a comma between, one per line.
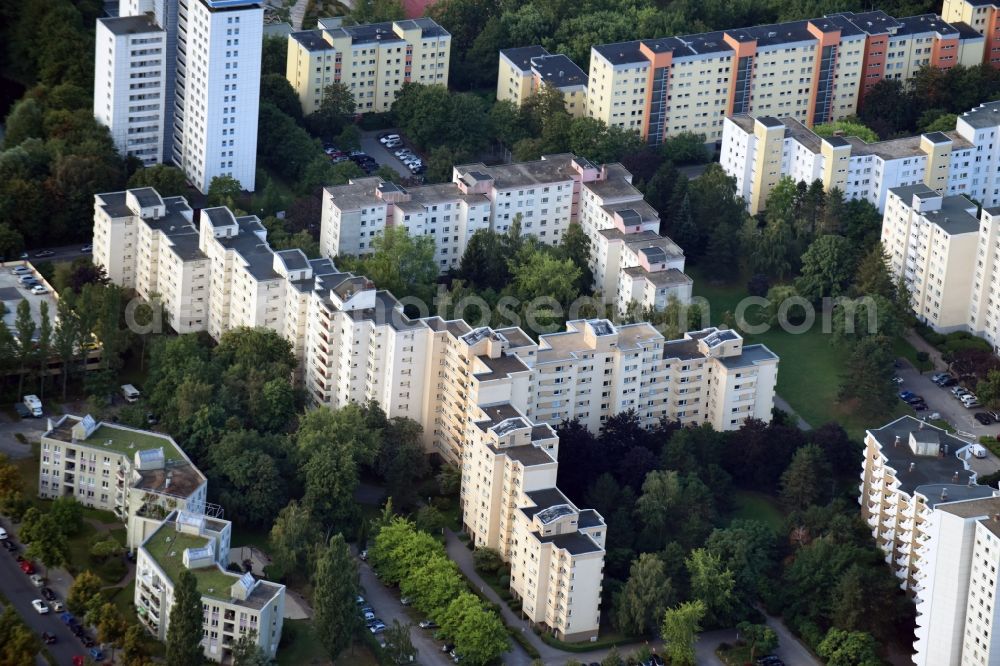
x=427, y=624
x=27, y=567
x=947, y=381
x=404, y=601
x=905, y=395
x=20, y=270
x=68, y=619
x=919, y=406
x=48, y=638
x=44, y=253
x=10, y=546
x=151, y=418
x=386, y=138
x=25, y=278
x=983, y=418
x=96, y=654
x=39, y=289
x=972, y=404
x=57, y=606
x=359, y=600
x=3, y=534
x=47, y=593
x=395, y=143
x=447, y=647
x=37, y=580
x=770, y=660
x=368, y=615
x=959, y=390
x=364, y=555
x=40, y=607
x=87, y=248
x=22, y=411
x=377, y=628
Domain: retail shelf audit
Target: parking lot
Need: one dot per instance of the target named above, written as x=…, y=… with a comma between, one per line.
x=371, y=145
x=940, y=400
x=12, y=292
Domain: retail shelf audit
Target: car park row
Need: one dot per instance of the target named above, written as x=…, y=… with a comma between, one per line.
x=410, y=159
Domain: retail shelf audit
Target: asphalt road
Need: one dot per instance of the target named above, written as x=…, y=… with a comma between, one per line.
x=63, y=253
x=20, y=592
x=386, y=605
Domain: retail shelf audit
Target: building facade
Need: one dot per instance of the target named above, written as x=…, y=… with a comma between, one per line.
x=180, y=82
x=938, y=530
x=374, y=60
x=633, y=265
x=947, y=258
x=761, y=150
x=523, y=71
x=150, y=484
x=233, y=605
x=814, y=70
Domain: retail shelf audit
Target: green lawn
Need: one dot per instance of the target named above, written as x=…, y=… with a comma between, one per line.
x=811, y=367
x=757, y=506
x=305, y=648
x=721, y=297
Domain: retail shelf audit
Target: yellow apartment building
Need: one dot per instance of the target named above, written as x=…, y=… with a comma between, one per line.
x=523, y=71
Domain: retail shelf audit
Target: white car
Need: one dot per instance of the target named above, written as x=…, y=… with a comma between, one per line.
x=39, y=289
x=3, y=534
x=37, y=580
x=40, y=606
x=389, y=138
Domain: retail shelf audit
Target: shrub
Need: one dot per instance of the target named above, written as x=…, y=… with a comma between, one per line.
x=923, y=356
x=487, y=560
x=504, y=581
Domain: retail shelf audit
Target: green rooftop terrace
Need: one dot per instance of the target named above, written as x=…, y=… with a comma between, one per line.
x=120, y=439
x=212, y=581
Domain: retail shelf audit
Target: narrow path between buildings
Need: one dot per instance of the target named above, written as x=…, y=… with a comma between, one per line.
x=783, y=405
x=298, y=13
x=922, y=345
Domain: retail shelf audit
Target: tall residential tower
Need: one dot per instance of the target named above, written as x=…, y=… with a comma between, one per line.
x=179, y=82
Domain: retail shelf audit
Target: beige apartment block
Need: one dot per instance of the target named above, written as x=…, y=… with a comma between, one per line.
x=932, y=244
x=138, y=475
x=374, y=60
x=233, y=605
x=938, y=530
x=979, y=16
x=632, y=264
x=760, y=150
x=813, y=71
x=523, y=71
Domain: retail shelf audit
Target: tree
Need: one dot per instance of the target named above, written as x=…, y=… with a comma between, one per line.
x=335, y=110
x=873, y=276
x=988, y=389
x=849, y=648
x=748, y=549
x=246, y=652
x=43, y=347
x=335, y=587
x=134, y=647
x=223, y=191
x=433, y=584
x=403, y=264
x=712, y=584
x=804, y=482
x=402, y=461
x=24, y=326
x=46, y=541
x=293, y=537
x=760, y=638
x=398, y=645
x=679, y=630
x=84, y=588
x=111, y=626
x=686, y=148
x=848, y=128
x=275, y=89
x=168, y=181
x=868, y=376
x=184, y=629
x=18, y=644
x=11, y=241
x=827, y=267
x=647, y=594
x=377, y=11
x=479, y=634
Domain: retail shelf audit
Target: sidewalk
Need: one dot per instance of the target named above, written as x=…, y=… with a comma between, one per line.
x=783, y=405
x=922, y=345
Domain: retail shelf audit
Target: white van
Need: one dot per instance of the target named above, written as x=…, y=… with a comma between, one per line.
x=33, y=404
x=130, y=393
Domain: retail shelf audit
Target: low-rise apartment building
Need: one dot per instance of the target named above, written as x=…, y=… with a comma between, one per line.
x=137, y=474
x=233, y=605
x=947, y=258
x=813, y=70
x=939, y=531
x=631, y=262
x=374, y=60
x=150, y=484
x=761, y=150
x=524, y=70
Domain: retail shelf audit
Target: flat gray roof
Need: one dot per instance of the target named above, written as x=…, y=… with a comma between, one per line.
x=945, y=468
x=131, y=25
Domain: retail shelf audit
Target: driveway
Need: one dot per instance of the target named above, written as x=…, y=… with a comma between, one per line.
x=940, y=400
x=386, y=605
x=20, y=592
x=371, y=145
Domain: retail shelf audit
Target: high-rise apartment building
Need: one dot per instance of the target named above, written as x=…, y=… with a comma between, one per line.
x=374, y=60
x=814, y=71
x=759, y=151
x=153, y=488
x=939, y=532
x=523, y=71
x=981, y=16
x=632, y=264
x=487, y=398
x=947, y=258
x=130, y=84
x=179, y=81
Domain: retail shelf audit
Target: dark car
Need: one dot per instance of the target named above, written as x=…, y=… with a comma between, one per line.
x=948, y=381
x=913, y=399
x=983, y=418
x=906, y=396
x=10, y=545
x=151, y=418
x=48, y=638
x=447, y=647
x=919, y=406
x=22, y=411
x=48, y=594
x=68, y=619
